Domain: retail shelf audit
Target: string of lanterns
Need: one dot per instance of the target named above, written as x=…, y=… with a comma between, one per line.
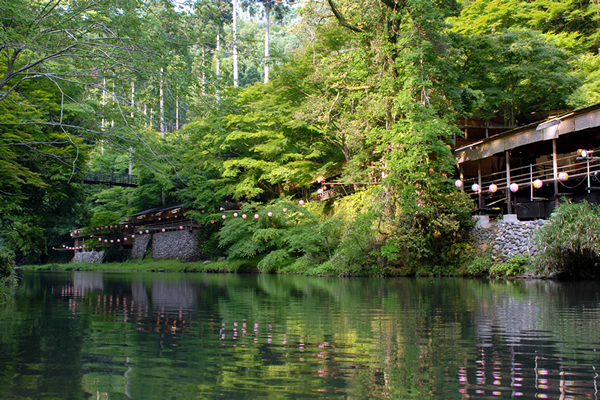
x=147, y=231
x=513, y=187
x=256, y=216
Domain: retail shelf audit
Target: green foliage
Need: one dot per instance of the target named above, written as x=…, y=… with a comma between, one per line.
x=281, y=238
x=8, y=280
x=105, y=218
x=479, y=265
x=568, y=243
x=515, y=266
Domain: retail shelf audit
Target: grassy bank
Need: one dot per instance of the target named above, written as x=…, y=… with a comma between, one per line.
x=227, y=266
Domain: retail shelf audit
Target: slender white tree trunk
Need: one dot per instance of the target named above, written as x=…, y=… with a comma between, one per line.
x=177, y=113
x=267, y=60
x=145, y=115
x=218, y=65
x=132, y=98
x=203, y=70
x=102, y=123
x=161, y=104
x=235, y=49
x=103, y=102
x=130, y=159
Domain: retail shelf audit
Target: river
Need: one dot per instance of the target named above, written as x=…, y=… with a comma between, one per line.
x=93, y=335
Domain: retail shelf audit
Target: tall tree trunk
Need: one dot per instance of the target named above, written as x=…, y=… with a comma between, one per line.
x=130, y=159
x=203, y=70
x=218, y=54
x=235, y=49
x=267, y=60
x=161, y=105
x=103, y=102
x=177, y=113
x=132, y=98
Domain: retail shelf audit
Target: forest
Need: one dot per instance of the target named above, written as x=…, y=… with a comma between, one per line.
x=340, y=111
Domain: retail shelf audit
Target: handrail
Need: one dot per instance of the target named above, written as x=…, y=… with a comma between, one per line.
x=111, y=178
x=524, y=176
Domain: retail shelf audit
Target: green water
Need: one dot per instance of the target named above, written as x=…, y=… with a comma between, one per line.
x=91, y=335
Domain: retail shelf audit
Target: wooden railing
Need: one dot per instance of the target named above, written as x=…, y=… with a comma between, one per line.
x=111, y=178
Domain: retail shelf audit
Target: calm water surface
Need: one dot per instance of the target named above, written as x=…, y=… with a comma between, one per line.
x=91, y=335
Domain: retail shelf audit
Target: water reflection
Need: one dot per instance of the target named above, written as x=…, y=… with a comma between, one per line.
x=146, y=336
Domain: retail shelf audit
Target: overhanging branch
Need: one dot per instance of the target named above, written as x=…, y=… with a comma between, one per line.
x=341, y=18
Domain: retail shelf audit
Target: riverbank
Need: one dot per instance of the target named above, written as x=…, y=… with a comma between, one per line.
x=224, y=266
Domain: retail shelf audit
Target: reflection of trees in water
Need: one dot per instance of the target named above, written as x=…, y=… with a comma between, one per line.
x=399, y=338
x=83, y=281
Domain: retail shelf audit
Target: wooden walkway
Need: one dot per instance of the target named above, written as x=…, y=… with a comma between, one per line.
x=110, y=178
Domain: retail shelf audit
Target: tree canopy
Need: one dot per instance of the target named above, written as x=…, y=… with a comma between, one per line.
x=363, y=97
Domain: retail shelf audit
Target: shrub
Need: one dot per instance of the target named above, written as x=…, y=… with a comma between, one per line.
x=8, y=280
x=515, y=266
x=479, y=265
x=568, y=243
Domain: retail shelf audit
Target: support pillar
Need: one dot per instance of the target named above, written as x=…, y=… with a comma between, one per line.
x=508, y=197
x=480, y=187
x=555, y=167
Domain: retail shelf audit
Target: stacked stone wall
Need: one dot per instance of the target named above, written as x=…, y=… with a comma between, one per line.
x=89, y=257
x=140, y=245
x=507, y=239
x=180, y=245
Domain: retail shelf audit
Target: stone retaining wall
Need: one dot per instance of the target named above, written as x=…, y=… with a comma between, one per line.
x=89, y=256
x=140, y=245
x=507, y=239
x=180, y=245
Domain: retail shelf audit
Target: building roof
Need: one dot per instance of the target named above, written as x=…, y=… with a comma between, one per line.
x=551, y=128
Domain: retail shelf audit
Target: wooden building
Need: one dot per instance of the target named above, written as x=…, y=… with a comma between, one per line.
x=541, y=162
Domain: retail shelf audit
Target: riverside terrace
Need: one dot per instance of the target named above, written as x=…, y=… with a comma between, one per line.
x=527, y=170
x=121, y=235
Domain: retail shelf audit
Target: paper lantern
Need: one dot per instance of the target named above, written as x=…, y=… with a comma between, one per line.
x=458, y=183
x=147, y=231
x=270, y=214
x=112, y=241
x=212, y=221
x=476, y=188
x=563, y=176
x=132, y=236
x=99, y=239
x=538, y=183
x=493, y=188
x=163, y=229
x=180, y=227
x=301, y=202
x=284, y=209
x=244, y=216
x=118, y=240
x=255, y=216
x=124, y=239
x=235, y=214
x=319, y=191
x=514, y=187
x=223, y=216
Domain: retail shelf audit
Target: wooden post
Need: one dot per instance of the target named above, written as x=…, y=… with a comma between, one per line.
x=462, y=178
x=479, y=183
x=508, y=197
x=555, y=167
